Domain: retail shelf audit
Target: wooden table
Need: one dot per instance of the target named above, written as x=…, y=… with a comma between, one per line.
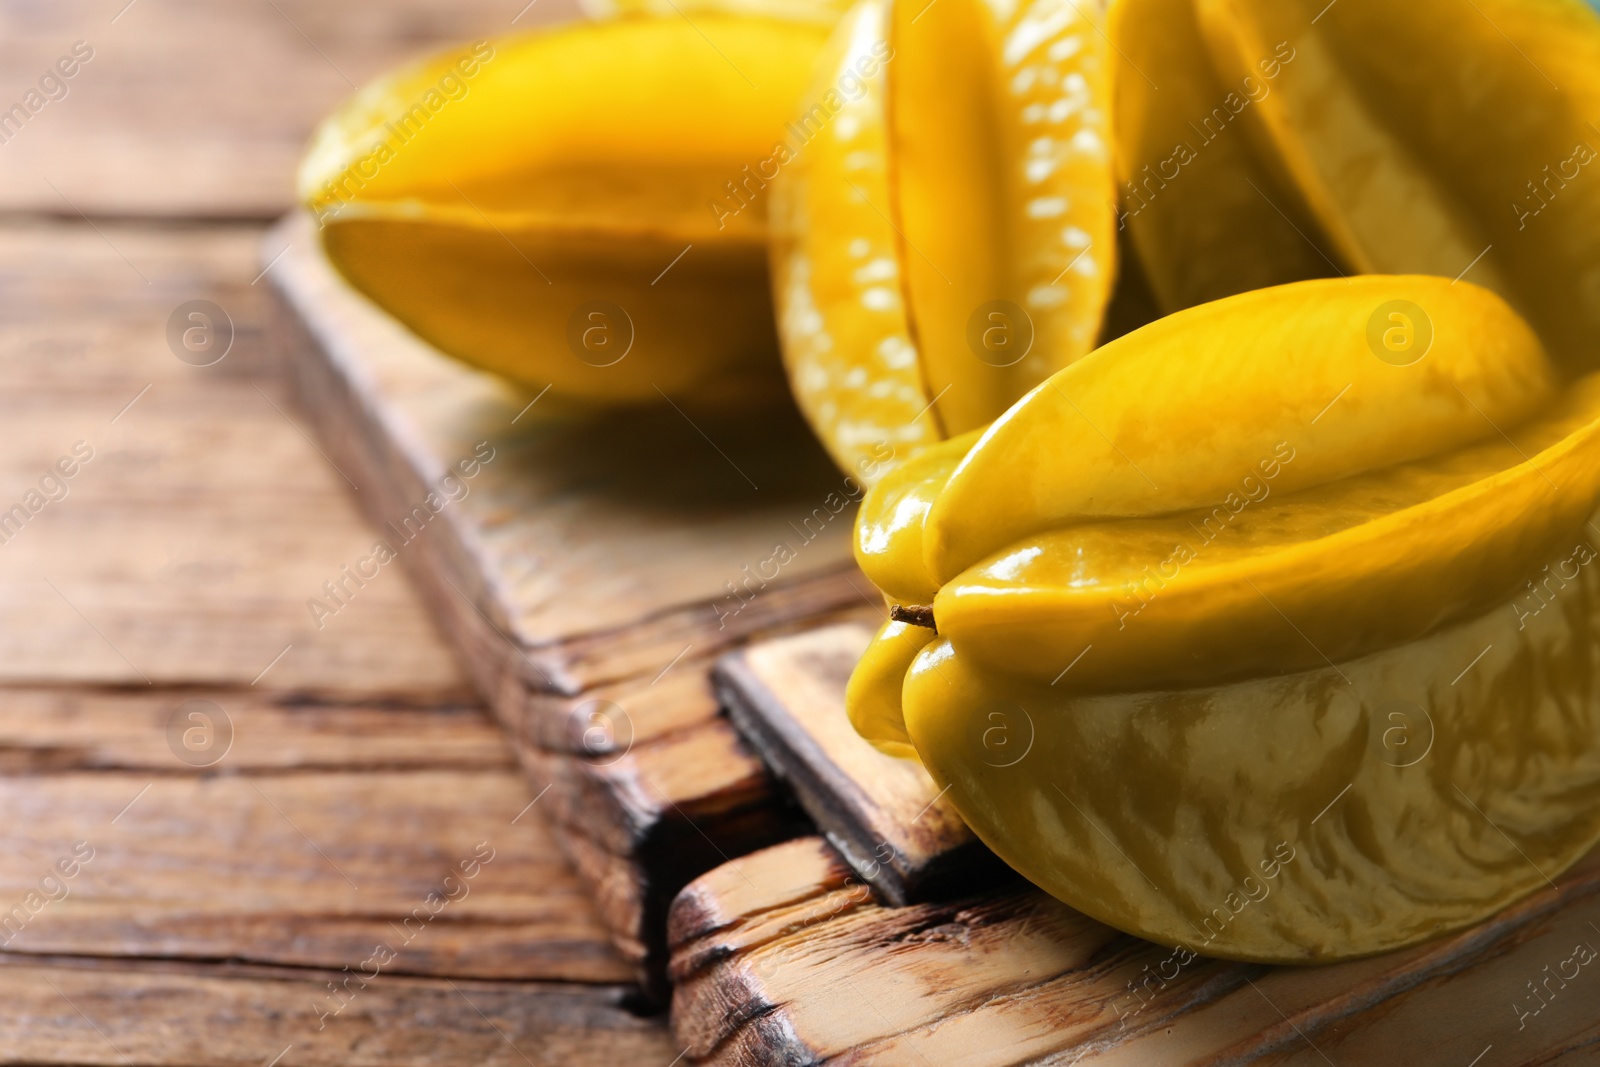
x=224, y=902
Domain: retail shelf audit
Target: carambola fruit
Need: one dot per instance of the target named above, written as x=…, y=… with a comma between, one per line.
x=945, y=238
x=1302, y=818
x=581, y=208
x=1229, y=633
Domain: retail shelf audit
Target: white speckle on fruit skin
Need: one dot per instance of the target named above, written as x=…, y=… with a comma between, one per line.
x=1046, y=296
x=881, y=269
x=1044, y=22
x=1088, y=143
x=841, y=311
x=879, y=298
x=1063, y=109
x=897, y=353
x=1046, y=207
x=1065, y=48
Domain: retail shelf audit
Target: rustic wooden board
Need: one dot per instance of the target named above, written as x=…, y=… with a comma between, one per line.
x=784, y=957
x=587, y=578
x=884, y=815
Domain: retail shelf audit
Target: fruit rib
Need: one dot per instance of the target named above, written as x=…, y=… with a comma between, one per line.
x=1274, y=585
x=1002, y=193
x=1429, y=139
x=872, y=698
x=835, y=263
x=1208, y=217
x=888, y=543
x=1174, y=415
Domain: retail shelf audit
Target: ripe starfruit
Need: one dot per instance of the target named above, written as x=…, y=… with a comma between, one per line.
x=581, y=208
x=1297, y=137
x=1346, y=810
x=945, y=238
x=1208, y=213
x=1159, y=628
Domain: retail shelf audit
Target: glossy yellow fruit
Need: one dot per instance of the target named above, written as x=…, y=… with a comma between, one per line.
x=1209, y=214
x=872, y=698
x=1356, y=707
x=1303, y=818
x=582, y=208
x=1272, y=584
x=889, y=526
x=1434, y=139
x=1348, y=374
x=905, y=320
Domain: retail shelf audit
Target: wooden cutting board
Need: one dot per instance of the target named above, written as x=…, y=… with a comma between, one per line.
x=589, y=572
x=833, y=908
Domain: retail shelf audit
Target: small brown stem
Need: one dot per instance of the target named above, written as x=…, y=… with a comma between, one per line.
x=915, y=614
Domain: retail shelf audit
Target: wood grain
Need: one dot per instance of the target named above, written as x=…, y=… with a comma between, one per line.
x=185, y=551
x=784, y=958
x=884, y=815
x=192, y=109
x=74, y=727
x=193, y=862
x=76, y=1012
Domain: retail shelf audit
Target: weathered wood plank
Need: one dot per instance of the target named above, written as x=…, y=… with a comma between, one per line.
x=307, y=868
x=884, y=815
x=220, y=130
x=70, y=1012
x=783, y=958
x=640, y=828
x=78, y=728
x=185, y=551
